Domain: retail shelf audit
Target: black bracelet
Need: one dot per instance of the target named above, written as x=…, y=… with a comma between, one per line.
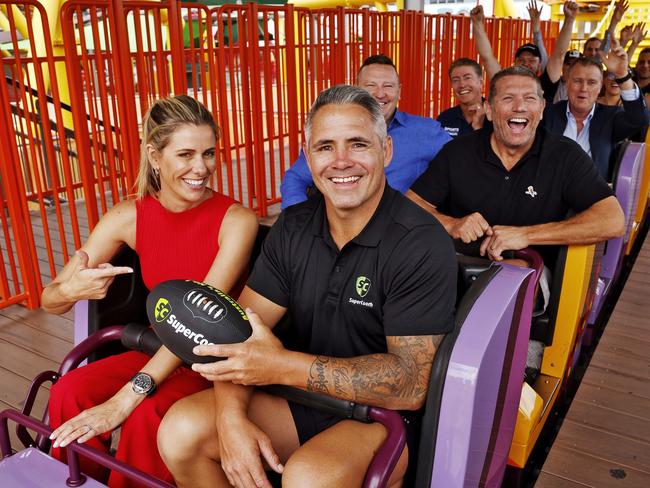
x=628, y=76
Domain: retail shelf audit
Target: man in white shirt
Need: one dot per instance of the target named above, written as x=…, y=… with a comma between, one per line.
x=594, y=126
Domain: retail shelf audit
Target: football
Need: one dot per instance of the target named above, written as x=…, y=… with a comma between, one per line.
x=186, y=313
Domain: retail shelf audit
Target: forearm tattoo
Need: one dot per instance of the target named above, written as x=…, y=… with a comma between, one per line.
x=378, y=379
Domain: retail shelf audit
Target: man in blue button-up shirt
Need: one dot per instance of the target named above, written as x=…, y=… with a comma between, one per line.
x=416, y=140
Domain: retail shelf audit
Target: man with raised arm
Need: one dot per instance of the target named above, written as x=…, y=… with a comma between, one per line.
x=594, y=45
x=466, y=77
x=528, y=55
x=416, y=140
x=368, y=280
x=512, y=184
x=594, y=126
x=535, y=15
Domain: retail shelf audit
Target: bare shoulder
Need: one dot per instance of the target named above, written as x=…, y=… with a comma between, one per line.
x=118, y=223
x=241, y=217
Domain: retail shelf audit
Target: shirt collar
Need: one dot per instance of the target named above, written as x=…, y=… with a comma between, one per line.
x=490, y=156
x=570, y=116
x=371, y=234
x=399, y=118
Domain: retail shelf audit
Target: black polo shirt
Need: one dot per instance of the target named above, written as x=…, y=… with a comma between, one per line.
x=396, y=278
x=554, y=177
x=454, y=123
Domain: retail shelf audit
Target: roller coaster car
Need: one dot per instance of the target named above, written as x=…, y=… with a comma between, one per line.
x=581, y=278
x=469, y=414
x=644, y=193
x=628, y=171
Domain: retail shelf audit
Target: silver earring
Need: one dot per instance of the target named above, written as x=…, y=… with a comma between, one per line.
x=156, y=171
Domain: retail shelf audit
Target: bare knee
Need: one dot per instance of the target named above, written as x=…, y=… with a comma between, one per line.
x=299, y=472
x=304, y=470
x=184, y=435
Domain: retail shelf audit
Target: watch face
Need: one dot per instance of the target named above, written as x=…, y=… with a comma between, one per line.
x=142, y=383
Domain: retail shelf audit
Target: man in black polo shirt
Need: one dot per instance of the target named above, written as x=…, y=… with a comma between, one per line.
x=512, y=186
x=368, y=280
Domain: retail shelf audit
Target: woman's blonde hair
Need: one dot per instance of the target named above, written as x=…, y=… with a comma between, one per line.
x=161, y=121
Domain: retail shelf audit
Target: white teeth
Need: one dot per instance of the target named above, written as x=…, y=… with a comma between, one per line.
x=347, y=179
x=463, y=92
x=194, y=183
x=518, y=121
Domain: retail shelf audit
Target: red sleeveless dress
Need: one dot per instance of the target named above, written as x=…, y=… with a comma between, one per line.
x=170, y=246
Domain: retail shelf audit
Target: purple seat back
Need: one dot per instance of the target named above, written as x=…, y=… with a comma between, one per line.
x=473, y=422
x=626, y=187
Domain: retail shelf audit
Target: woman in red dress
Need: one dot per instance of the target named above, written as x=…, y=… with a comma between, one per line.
x=180, y=229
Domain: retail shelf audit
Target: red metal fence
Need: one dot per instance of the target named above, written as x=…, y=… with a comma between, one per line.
x=71, y=114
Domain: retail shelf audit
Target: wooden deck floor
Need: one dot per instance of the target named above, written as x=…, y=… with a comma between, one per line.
x=605, y=438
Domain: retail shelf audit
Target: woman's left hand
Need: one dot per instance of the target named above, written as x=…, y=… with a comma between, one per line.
x=97, y=420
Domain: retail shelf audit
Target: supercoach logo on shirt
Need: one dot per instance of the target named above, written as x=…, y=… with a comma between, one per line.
x=362, y=286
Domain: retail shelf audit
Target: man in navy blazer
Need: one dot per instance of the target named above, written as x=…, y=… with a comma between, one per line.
x=594, y=126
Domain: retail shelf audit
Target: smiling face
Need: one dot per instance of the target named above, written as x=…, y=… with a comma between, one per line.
x=515, y=111
x=612, y=89
x=528, y=60
x=185, y=165
x=591, y=48
x=583, y=87
x=382, y=82
x=466, y=85
x=346, y=158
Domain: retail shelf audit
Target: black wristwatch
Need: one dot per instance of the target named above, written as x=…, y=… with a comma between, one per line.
x=628, y=76
x=143, y=384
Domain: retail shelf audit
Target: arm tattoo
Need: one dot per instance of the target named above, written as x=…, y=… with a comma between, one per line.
x=317, y=379
x=396, y=379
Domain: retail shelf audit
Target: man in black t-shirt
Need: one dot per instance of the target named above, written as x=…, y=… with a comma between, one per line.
x=512, y=187
x=368, y=280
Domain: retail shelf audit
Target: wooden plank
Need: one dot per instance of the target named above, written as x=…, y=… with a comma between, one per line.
x=639, y=279
x=573, y=466
x=617, y=423
x=60, y=326
x=23, y=362
x=617, y=381
x=547, y=480
x=14, y=390
x=626, y=306
x=637, y=366
x=619, y=450
x=630, y=317
x=626, y=337
x=636, y=297
x=619, y=339
x=34, y=340
x=614, y=401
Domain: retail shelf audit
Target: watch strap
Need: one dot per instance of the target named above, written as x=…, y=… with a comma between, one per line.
x=628, y=76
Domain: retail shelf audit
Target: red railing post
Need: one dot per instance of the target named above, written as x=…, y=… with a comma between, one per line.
x=78, y=109
x=127, y=115
x=14, y=191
